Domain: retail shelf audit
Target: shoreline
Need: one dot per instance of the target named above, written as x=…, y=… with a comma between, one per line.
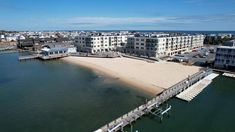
x=151, y=90
x=137, y=76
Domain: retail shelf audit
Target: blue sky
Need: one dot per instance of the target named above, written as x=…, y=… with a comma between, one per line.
x=117, y=14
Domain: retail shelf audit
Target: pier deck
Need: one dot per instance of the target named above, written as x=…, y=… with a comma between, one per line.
x=7, y=48
x=29, y=57
x=53, y=56
x=39, y=56
x=138, y=112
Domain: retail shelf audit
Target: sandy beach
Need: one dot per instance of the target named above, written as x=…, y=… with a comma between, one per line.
x=149, y=77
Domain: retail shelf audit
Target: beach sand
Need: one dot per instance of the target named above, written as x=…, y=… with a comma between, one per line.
x=149, y=77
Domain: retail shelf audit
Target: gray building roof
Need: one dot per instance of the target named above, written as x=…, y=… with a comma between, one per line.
x=229, y=43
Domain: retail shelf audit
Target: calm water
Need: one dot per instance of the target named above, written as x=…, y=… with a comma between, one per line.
x=54, y=96
x=213, y=110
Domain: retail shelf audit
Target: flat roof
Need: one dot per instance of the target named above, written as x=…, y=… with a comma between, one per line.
x=226, y=47
x=54, y=49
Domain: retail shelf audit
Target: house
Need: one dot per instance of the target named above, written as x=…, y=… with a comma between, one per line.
x=53, y=53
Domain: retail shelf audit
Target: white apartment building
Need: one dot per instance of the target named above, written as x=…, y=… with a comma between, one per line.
x=94, y=44
x=163, y=46
x=11, y=38
x=225, y=56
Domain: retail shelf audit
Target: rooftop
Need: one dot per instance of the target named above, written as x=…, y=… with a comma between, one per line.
x=54, y=49
x=226, y=47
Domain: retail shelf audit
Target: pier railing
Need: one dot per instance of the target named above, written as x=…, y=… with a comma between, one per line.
x=121, y=122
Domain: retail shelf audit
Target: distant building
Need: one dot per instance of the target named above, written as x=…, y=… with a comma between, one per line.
x=11, y=38
x=72, y=49
x=21, y=37
x=225, y=56
x=37, y=44
x=27, y=43
x=2, y=37
x=229, y=43
x=163, y=46
x=225, y=35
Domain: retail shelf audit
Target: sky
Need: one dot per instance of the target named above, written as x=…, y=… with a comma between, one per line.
x=200, y=15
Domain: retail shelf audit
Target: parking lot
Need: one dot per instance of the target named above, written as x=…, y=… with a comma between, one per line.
x=200, y=56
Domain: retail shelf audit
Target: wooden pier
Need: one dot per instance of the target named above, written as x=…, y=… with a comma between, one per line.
x=38, y=56
x=50, y=57
x=119, y=123
x=7, y=48
x=28, y=57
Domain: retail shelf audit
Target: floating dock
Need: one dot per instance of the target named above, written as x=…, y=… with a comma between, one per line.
x=197, y=88
x=229, y=75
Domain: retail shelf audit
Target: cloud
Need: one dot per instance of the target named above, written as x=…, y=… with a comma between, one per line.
x=196, y=22
x=109, y=21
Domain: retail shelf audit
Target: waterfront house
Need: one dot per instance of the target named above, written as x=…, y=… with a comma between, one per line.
x=52, y=53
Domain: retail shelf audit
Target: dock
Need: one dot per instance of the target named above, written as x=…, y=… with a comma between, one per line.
x=28, y=57
x=7, y=48
x=229, y=75
x=38, y=56
x=126, y=119
x=190, y=93
x=8, y=51
x=50, y=57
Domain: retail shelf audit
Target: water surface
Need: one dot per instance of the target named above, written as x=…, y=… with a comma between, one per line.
x=211, y=111
x=53, y=96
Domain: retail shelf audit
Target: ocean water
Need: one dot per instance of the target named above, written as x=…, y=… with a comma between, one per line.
x=53, y=96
